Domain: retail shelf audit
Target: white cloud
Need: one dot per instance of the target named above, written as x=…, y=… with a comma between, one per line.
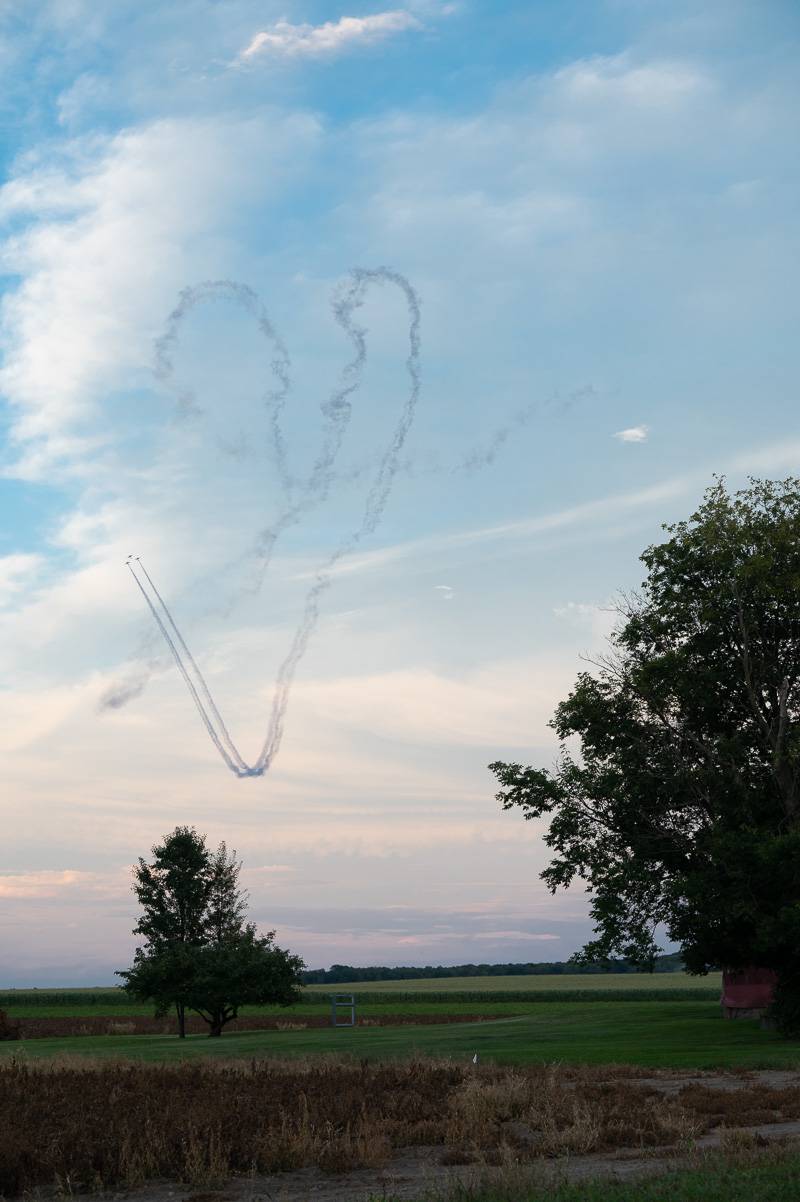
x=502, y=704
x=295, y=41
x=444, y=591
x=114, y=227
x=617, y=80
x=16, y=572
x=633, y=434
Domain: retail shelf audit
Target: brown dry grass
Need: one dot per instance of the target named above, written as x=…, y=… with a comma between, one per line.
x=77, y=1124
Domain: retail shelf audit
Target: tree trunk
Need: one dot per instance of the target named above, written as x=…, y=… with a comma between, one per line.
x=215, y=1026
x=181, y=1012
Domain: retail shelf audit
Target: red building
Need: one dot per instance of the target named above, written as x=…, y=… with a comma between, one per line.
x=747, y=994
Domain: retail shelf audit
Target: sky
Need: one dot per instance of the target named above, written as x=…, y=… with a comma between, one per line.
x=596, y=203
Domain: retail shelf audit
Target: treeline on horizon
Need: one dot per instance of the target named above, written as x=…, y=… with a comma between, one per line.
x=338, y=973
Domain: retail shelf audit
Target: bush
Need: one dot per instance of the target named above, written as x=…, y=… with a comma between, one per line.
x=784, y=1012
x=8, y=1029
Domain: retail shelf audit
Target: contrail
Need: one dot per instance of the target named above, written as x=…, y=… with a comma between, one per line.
x=350, y=299
x=211, y=712
x=336, y=410
x=274, y=399
x=189, y=684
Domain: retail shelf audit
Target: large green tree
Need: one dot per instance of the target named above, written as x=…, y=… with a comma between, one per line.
x=682, y=807
x=174, y=890
x=200, y=954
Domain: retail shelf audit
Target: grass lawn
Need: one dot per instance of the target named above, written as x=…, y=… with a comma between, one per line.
x=654, y=1034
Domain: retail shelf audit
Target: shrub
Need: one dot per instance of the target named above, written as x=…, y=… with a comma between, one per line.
x=784, y=1012
x=8, y=1029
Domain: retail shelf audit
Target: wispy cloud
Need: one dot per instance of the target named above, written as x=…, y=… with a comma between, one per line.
x=600, y=619
x=633, y=434
x=41, y=884
x=15, y=573
x=294, y=41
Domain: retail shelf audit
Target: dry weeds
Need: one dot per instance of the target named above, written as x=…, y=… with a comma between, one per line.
x=77, y=1124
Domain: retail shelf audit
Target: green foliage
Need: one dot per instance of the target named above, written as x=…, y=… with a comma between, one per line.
x=174, y=890
x=348, y=973
x=684, y=807
x=8, y=1028
x=239, y=970
x=784, y=1013
x=200, y=954
x=163, y=975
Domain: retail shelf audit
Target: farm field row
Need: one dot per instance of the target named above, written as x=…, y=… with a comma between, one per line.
x=653, y=1034
x=492, y=995
x=539, y=983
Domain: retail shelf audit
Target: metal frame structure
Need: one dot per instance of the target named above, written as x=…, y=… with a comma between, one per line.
x=346, y=1000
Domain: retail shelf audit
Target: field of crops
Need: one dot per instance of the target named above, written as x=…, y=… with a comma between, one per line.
x=496, y=996
x=556, y=983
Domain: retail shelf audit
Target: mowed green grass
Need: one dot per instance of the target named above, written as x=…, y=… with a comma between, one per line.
x=652, y=1034
x=539, y=983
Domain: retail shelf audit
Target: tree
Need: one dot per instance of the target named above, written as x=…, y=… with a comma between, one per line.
x=243, y=969
x=226, y=903
x=199, y=953
x=683, y=808
x=165, y=976
x=174, y=892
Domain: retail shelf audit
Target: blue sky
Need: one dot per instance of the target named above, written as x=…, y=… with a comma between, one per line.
x=597, y=205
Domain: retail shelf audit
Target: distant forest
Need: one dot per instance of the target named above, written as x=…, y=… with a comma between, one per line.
x=348, y=972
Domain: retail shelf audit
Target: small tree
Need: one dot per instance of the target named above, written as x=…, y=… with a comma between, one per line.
x=164, y=976
x=174, y=892
x=200, y=954
x=242, y=970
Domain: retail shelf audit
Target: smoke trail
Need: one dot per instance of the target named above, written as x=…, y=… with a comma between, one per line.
x=212, y=710
x=274, y=399
x=119, y=694
x=234, y=767
x=485, y=455
x=349, y=299
x=337, y=412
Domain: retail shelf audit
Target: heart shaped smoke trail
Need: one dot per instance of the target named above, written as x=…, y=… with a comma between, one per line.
x=313, y=491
